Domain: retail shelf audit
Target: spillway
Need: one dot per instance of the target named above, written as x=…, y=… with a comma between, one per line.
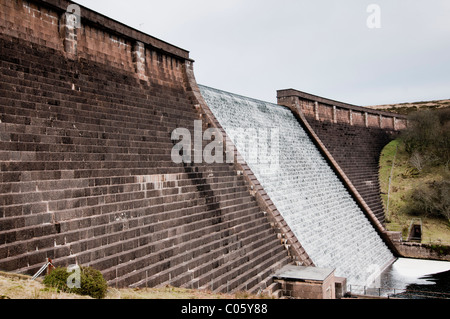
x=309, y=195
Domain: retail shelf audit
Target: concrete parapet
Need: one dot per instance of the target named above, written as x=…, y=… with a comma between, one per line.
x=439, y=252
x=323, y=109
x=81, y=33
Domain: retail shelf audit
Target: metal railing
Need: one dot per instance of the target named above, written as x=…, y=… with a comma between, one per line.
x=397, y=293
x=42, y=269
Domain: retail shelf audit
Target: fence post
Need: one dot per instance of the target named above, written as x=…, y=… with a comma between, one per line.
x=50, y=266
x=390, y=180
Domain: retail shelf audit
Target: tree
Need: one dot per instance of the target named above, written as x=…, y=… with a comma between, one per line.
x=428, y=135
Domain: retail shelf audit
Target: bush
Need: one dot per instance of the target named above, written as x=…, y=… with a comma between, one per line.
x=429, y=135
x=432, y=200
x=417, y=161
x=58, y=279
x=92, y=282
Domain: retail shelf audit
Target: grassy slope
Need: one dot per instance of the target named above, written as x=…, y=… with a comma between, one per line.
x=407, y=108
x=403, y=182
x=22, y=287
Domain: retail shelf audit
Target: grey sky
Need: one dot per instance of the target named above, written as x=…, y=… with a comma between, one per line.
x=323, y=47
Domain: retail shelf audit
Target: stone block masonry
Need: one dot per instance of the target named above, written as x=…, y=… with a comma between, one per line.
x=86, y=175
x=91, y=36
x=307, y=283
x=323, y=109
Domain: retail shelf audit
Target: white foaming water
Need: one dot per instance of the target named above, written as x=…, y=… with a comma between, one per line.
x=316, y=205
x=407, y=271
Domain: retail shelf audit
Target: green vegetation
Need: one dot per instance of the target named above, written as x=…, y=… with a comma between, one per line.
x=409, y=108
x=417, y=164
x=92, y=282
x=13, y=286
x=428, y=137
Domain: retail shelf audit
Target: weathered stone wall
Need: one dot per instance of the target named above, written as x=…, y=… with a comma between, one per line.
x=92, y=37
x=309, y=289
x=424, y=251
x=323, y=109
x=87, y=113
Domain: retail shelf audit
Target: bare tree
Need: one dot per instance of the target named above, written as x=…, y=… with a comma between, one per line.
x=417, y=161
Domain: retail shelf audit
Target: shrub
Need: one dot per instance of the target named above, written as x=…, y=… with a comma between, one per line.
x=92, y=282
x=432, y=199
x=429, y=135
x=417, y=161
x=58, y=279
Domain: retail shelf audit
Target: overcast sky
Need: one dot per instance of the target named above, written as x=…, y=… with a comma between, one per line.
x=323, y=47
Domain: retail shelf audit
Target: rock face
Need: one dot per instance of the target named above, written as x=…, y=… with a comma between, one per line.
x=315, y=204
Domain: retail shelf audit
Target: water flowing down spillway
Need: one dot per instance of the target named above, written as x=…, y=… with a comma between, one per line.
x=311, y=198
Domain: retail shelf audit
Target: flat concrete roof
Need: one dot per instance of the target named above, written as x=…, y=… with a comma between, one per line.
x=303, y=273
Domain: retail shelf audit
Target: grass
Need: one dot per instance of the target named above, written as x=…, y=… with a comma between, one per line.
x=175, y=293
x=408, y=108
x=14, y=286
x=404, y=179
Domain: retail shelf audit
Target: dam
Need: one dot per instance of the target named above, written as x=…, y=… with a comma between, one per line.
x=88, y=177
x=309, y=195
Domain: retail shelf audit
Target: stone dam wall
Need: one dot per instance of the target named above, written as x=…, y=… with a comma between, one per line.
x=88, y=107
x=87, y=115
x=354, y=136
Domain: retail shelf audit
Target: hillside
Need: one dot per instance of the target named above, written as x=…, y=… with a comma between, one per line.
x=13, y=286
x=404, y=180
x=412, y=173
x=408, y=108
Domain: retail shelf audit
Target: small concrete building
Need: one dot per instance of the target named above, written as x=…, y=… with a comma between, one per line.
x=307, y=282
